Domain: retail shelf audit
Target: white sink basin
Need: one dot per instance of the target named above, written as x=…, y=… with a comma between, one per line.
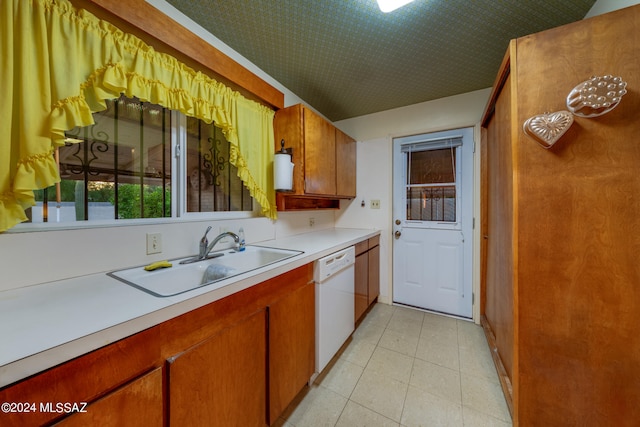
x=179, y=278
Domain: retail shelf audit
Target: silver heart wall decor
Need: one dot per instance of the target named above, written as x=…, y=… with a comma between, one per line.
x=546, y=129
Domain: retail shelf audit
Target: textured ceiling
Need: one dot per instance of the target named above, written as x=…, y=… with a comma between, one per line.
x=346, y=58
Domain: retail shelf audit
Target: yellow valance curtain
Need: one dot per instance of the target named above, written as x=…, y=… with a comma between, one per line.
x=59, y=64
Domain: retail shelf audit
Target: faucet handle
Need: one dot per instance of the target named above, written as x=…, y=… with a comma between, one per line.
x=204, y=238
x=204, y=243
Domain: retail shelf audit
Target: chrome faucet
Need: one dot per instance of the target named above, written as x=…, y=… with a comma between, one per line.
x=221, y=236
x=205, y=247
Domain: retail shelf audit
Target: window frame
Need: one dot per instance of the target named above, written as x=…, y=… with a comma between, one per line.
x=415, y=143
x=179, y=181
x=179, y=164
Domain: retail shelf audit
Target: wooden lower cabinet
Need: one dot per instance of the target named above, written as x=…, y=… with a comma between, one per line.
x=221, y=381
x=291, y=347
x=361, y=280
x=373, y=284
x=136, y=404
x=238, y=361
x=367, y=275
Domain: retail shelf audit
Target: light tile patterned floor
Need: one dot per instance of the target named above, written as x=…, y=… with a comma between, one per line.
x=404, y=367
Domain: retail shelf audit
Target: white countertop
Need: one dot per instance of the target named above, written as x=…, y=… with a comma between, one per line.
x=44, y=325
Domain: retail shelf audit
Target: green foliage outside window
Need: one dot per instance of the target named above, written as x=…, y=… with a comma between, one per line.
x=130, y=198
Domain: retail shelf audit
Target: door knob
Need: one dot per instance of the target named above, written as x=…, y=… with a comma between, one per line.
x=397, y=234
x=398, y=222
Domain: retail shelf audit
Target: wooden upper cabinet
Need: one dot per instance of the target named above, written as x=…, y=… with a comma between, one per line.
x=324, y=159
x=345, y=165
x=319, y=155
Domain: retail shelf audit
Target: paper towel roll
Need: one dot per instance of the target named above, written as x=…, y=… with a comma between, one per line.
x=282, y=172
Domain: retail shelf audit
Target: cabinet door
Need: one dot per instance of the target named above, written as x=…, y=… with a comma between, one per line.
x=138, y=403
x=288, y=125
x=498, y=235
x=319, y=155
x=374, y=274
x=361, y=284
x=345, y=165
x=222, y=381
x=291, y=347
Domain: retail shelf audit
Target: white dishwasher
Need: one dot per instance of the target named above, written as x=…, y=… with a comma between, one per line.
x=334, y=277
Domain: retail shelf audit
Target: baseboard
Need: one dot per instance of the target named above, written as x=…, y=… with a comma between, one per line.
x=505, y=381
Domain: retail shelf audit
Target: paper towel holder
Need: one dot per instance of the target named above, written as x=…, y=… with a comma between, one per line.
x=283, y=150
x=283, y=169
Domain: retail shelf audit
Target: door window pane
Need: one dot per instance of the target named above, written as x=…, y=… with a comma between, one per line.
x=431, y=186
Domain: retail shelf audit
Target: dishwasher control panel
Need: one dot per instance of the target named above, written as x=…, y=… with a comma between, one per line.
x=326, y=267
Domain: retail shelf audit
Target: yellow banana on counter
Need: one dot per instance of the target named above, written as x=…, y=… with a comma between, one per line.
x=159, y=264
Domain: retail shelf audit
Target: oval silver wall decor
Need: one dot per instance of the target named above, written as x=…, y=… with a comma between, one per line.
x=596, y=96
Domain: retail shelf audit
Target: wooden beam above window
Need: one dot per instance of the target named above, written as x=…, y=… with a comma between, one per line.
x=144, y=20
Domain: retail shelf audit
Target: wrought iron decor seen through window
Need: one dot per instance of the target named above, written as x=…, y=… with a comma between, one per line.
x=431, y=186
x=121, y=168
x=214, y=184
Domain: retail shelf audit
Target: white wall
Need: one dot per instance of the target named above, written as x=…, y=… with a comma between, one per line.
x=604, y=6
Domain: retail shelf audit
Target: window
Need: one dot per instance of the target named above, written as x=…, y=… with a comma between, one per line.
x=213, y=184
x=122, y=168
x=432, y=180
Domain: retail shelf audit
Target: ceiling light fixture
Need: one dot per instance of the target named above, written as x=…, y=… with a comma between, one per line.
x=390, y=5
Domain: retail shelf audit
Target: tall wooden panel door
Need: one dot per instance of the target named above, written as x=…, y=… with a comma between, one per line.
x=579, y=231
x=498, y=235
x=561, y=277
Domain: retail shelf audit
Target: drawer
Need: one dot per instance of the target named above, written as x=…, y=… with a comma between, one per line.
x=373, y=242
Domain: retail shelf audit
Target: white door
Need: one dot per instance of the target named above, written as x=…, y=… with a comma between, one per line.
x=433, y=221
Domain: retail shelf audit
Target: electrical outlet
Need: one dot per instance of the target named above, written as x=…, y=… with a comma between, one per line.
x=154, y=243
x=312, y=222
x=375, y=204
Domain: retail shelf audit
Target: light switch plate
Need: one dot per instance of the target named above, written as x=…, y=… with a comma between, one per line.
x=154, y=243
